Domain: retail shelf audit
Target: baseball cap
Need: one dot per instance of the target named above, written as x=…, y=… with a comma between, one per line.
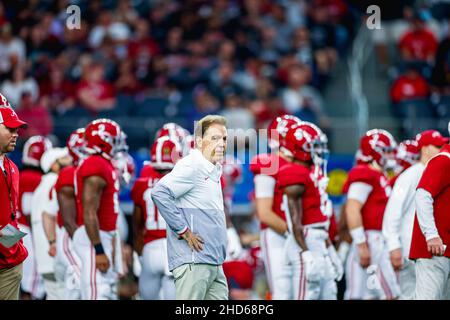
x=8, y=116
x=431, y=137
x=50, y=156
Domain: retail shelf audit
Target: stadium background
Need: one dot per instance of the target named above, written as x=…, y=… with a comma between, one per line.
x=146, y=63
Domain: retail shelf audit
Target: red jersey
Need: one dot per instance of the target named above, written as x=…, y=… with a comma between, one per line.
x=270, y=165
x=155, y=226
x=405, y=88
x=148, y=171
x=373, y=210
x=419, y=44
x=101, y=90
x=333, y=230
x=436, y=180
x=65, y=179
x=9, y=194
x=294, y=174
x=29, y=180
x=108, y=209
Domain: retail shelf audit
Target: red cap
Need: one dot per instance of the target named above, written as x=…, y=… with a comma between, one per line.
x=431, y=137
x=8, y=116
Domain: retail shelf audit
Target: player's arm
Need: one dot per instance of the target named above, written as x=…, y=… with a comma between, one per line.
x=264, y=190
x=138, y=229
x=68, y=209
x=392, y=221
x=26, y=206
x=356, y=197
x=344, y=235
x=294, y=195
x=49, y=224
x=50, y=210
x=92, y=190
x=435, y=178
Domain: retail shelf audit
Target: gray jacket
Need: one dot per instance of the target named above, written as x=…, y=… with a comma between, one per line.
x=191, y=197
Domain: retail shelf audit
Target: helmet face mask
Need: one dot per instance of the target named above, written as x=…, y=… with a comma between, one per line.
x=121, y=145
x=125, y=167
x=320, y=153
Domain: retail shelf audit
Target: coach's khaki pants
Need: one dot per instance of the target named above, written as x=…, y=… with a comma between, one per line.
x=432, y=278
x=10, y=282
x=200, y=282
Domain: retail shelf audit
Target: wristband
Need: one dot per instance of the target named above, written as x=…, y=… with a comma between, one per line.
x=50, y=242
x=358, y=235
x=99, y=249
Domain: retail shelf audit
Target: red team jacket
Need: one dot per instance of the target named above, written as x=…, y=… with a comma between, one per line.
x=155, y=226
x=265, y=161
x=373, y=210
x=293, y=174
x=9, y=186
x=108, y=210
x=28, y=181
x=65, y=179
x=436, y=180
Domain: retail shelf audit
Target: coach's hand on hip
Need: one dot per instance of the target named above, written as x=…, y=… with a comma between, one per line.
x=194, y=241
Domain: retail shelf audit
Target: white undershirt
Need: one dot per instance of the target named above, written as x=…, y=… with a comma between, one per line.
x=264, y=186
x=1, y=164
x=359, y=191
x=398, y=219
x=425, y=216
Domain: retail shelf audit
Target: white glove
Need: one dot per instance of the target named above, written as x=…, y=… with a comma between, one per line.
x=313, y=269
x=234, y=247
x=336, y=262
x=137, y=265
x=344, y=248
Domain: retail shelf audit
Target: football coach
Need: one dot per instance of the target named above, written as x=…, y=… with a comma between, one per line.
x=190, y=200
x=11, y=257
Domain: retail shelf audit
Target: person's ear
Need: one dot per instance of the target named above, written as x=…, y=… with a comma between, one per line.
x=198, y=142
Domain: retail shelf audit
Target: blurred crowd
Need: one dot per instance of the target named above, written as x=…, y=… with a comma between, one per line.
x=249, y=59
x=413, y=49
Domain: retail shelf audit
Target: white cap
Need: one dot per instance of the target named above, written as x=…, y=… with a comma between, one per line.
x=50, y=156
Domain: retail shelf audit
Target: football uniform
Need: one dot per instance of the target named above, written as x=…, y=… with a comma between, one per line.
x=67, y=262
x=265, y=168
x=147, y=171
x=378, y=281
x=308, y=283
x=96, y=285
x=32, y=281
x=155, y=280
x=44, y=262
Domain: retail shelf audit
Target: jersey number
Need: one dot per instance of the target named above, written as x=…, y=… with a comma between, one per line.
x=154, y=221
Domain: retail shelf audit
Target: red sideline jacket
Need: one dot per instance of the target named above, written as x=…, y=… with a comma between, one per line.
x=9, y=192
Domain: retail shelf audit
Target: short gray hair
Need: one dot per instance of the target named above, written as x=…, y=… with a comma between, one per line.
x=204, y=123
